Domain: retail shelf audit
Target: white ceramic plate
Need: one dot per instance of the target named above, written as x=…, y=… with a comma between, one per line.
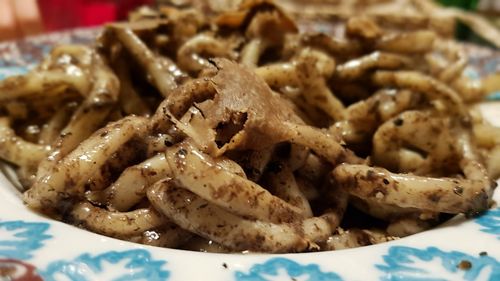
x=33, y=247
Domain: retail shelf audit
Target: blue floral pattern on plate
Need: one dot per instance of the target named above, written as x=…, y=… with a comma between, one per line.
x=128, y=265
x=490, y=221
x=12, y=70
x=494, y=96
x=286, y=269
x=18, y=239
x=412, y=264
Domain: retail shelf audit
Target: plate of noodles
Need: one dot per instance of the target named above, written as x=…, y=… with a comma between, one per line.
x=249, y=144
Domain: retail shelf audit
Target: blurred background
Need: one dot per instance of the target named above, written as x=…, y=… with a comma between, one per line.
x=20, y=18
x=63, y=14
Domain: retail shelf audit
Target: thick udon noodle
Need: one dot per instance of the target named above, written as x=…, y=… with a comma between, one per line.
x=234, y=132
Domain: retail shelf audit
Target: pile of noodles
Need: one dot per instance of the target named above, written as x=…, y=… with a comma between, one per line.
x=235, y=132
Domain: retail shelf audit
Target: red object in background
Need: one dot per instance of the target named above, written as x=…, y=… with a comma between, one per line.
x=63, y=14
